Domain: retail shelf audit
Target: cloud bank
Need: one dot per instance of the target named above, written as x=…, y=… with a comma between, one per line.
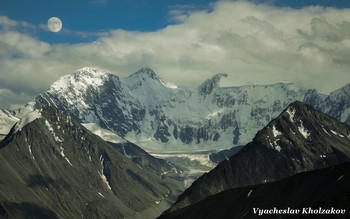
x=252, y=43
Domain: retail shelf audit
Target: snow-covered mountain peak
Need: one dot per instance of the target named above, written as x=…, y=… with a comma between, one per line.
x=145, y=77
x=341, y=92
x=208, y=85
x=144, y=74
x=28, y=118
x=81, y=79
x=7, y=120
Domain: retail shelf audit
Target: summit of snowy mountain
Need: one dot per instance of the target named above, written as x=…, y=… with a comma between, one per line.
x=145, y=78
x=80, y=80
x=343, y=91
x=341, y=99
x=145, y=73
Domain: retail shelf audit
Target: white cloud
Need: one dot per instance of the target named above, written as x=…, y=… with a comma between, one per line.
x=7, y=23
x=252, y=43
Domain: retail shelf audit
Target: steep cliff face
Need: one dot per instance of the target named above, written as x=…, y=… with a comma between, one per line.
x=300, y=139
x=53, y=167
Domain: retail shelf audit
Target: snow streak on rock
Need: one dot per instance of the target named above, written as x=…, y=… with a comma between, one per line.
x=303, y=130
x=103, y=177
x=291, y=113
x=27, y=119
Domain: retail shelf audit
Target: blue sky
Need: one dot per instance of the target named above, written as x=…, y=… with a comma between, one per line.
x=96, y=16
x=184, y=42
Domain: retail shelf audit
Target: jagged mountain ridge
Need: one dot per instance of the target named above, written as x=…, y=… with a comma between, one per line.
x=299, y=139
x=7, y=120
x=143, y=109
x=336, y=104
x=53, y=164
x=325, y=188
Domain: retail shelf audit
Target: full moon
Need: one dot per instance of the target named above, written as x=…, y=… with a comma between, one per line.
x=54, y=24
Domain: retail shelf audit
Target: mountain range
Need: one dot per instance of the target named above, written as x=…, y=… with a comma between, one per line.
x=53, y=167
x=143, y=109
x=300, y=139
x=81, y=148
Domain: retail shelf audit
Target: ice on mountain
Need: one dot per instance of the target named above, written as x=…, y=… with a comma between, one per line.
x=291, y=113
x=105, y=134
x=250, y=192
x=171, y=85
x=164, y=172
x=303, y=130
x=275, y=131
x=30, y=151
x=92, y=77
x=126, y=154
x=103, y=177
x=74, y=86
x=101, y=194
x=336, y=133
x=61, y=150
x=215, y=113
x=68, y=161
x=326, y=131
x=6, y=122
x=28, y=118
x=278, y=148
x=275, y=145
x=51, y=130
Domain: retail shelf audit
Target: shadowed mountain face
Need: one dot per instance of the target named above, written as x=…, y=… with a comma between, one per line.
x=299, y=139
x=326, y=188
x=52, y=167
x=143, y=109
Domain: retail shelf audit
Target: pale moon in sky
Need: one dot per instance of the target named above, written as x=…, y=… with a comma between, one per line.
x=54, y=24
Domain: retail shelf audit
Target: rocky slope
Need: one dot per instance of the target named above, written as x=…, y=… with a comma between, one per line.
x=325, y=188
x=53, y=167
x=299, y=139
